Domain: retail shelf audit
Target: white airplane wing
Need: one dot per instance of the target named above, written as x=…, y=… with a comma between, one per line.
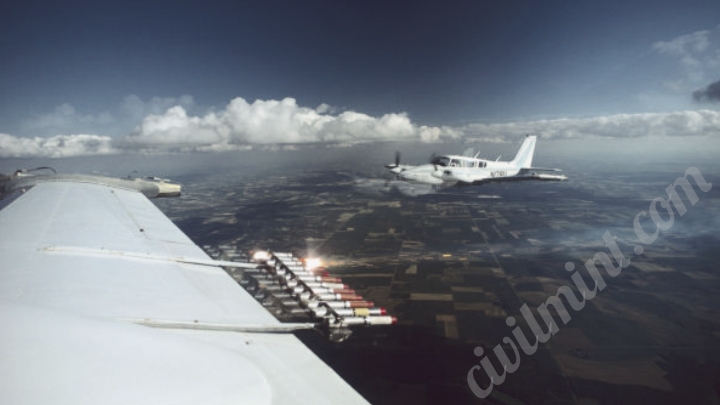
x=82, y=264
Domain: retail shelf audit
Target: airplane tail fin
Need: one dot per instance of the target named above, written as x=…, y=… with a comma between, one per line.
x=524, y=156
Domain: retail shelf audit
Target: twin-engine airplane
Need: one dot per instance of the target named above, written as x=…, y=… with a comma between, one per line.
x=449, y=170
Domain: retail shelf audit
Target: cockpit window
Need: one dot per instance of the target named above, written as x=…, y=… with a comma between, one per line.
x=441, y=161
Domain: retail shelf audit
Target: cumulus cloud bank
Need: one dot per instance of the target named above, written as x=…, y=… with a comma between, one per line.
x=55, y=146
x=269, y=122
x=275, y=121
x=166, y=125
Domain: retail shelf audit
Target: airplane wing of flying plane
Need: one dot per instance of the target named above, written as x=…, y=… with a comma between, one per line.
x=104, y=300
x=452, y=170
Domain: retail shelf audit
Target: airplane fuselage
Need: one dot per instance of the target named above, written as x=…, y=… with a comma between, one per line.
x=458, y=169
x=454, y=169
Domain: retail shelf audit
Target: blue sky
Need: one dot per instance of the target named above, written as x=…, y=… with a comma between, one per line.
x=350, y=71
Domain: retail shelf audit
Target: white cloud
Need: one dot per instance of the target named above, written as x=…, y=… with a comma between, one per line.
x=697, y=54
x=685, y=44
x=55, y=146
x=276, y=121
x=175, y=129
x=136, y=109
x=238, y=125
x=437, y=134
x=681, y=123
x=324, y=108
x=66, y=118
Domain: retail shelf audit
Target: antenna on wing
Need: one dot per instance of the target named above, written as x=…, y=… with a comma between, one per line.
x=26, y=172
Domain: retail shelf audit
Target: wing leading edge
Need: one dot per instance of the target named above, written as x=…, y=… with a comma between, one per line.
x=80, y=259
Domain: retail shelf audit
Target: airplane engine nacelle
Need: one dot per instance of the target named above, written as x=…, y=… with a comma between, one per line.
x=438, y=174
x=446, y=175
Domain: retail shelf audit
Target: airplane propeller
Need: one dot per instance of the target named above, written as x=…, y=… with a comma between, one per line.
x=397, y=161
x=432, y=159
